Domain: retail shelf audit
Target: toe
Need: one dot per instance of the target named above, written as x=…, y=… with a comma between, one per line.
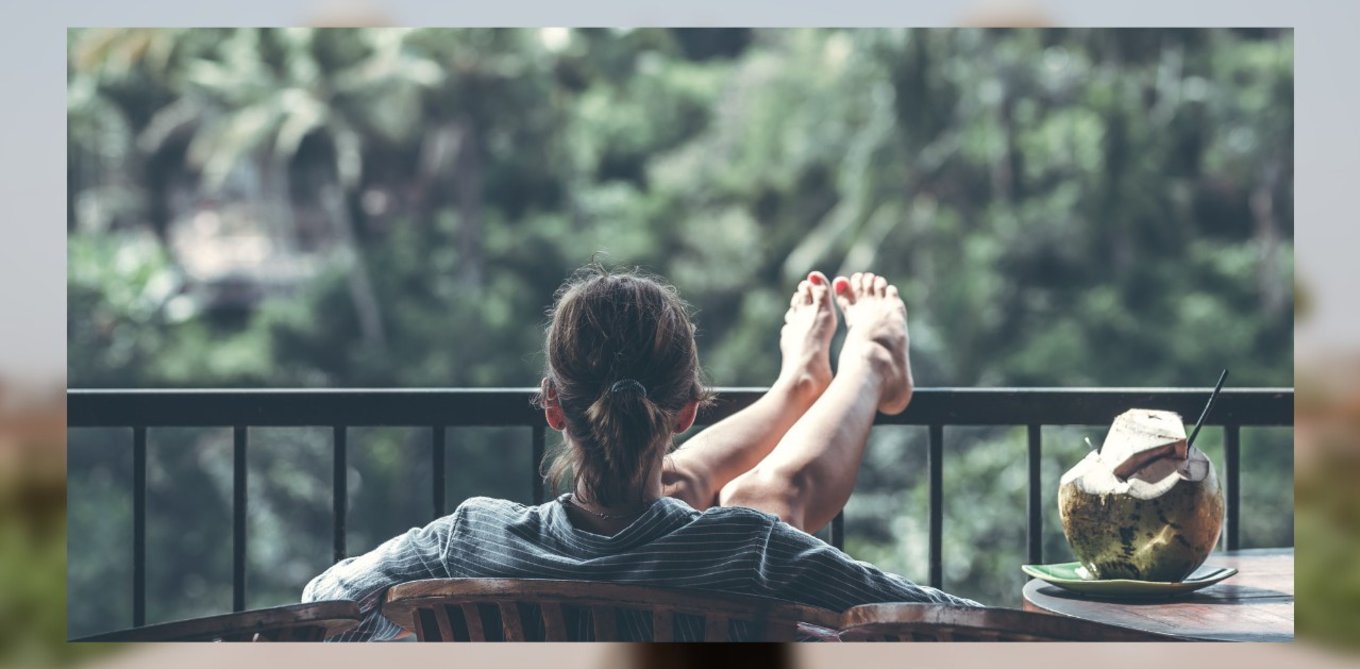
x=821, y=295
x=804, y=293
x=880, y=286
x=844, y=296
x=857, y=283
x=866, y=283
x=821, y=288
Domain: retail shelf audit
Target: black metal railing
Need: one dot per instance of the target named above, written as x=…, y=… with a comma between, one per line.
x=934, y=408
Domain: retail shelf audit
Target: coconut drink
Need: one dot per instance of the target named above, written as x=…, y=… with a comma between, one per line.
x=1145, y=505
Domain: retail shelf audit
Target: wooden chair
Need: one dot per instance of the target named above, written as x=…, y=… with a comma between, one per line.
x=296, y=622
x=935, y=622
x=548, y=610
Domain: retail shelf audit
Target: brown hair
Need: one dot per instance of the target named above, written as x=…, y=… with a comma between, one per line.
x=622, y=361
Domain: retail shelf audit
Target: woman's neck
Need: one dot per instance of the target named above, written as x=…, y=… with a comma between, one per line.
x=608, y=518
x=650, y=490
x=603, y=520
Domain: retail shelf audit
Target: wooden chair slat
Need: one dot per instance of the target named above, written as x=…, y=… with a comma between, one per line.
x=473, y=617
x=443, y=626
x=663, y=625
x=511, y=625
x=606, y=623
x=554, y=627
x=423, y=625
x=716, y=628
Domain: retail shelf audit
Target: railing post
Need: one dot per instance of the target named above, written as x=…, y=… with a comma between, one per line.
x=138, y=526
x=540, y=445
x=238, y=516
x=1233, y=492
x=1034, y=528
x=838, y=531
x=339, y=491
x=437, y=474
x=935, y=460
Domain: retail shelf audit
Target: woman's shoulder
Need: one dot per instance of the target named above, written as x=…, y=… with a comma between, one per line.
x=481, y=507
x=483, y=517
x=476, y=503
x=733, y=515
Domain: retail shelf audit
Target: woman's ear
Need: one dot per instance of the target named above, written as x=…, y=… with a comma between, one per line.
x=552, y=410
x=685, y=419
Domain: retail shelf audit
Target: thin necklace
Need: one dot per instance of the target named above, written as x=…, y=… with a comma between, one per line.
x=603, y=516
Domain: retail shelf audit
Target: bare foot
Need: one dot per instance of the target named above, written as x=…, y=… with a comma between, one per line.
x=877, y=322
x=805, y=340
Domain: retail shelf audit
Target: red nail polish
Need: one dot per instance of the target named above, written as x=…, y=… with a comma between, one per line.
x=815, y=279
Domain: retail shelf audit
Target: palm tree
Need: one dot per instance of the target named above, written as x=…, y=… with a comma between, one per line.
x=251, y=102
x=117, y=79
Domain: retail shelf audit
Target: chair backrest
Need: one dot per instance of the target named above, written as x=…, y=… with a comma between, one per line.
x=295, y=622
x=549, y=610
x=935, y=622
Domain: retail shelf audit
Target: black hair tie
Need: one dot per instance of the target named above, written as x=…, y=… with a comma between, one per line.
x=628, y=384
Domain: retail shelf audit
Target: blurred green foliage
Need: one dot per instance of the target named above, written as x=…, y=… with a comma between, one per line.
x=32, y=530
x=1329, y=525
x=1058, y=208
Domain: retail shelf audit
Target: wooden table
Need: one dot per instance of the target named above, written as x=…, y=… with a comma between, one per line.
x=1257, y=604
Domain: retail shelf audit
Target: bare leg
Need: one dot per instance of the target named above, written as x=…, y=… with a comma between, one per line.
x=707, y=462
x=810, y=474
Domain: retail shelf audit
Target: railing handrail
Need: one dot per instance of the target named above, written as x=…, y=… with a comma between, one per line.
x=376, y=407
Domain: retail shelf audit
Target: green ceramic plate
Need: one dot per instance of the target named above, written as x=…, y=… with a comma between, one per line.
x=1074, y=577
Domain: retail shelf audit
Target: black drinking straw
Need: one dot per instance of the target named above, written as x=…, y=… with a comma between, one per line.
x=1212, y=396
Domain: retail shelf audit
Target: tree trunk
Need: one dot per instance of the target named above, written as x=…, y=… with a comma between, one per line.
x=1263, y=211
x=278, y=199
x=438, y=151
x=361, y=291
x=467, y=186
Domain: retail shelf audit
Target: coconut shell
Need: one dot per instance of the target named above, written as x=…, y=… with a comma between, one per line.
x=1159, y=525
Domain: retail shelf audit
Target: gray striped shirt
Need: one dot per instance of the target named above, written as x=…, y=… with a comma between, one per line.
x=729, y=549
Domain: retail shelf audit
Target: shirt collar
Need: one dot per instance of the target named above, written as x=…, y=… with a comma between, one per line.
x=660, y=518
